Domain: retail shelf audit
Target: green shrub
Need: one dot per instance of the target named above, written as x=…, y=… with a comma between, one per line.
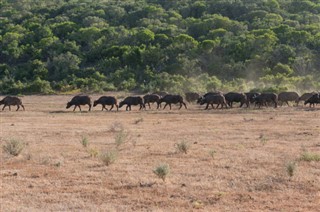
x=291, y=167
x=108, y=157
x=84, y=141
x=162, y=171
x=13, y=147
x=182, y=147
x=309, y=156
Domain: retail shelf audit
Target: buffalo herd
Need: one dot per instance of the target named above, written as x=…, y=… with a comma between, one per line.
x=224, y=100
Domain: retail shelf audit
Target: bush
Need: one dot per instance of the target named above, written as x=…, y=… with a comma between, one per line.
x=182, y=147
x=162, y=171
x=13, y=147
x=108, y=157
x=120, y=138
x=309, y=156
x=84, y=141
x=291, y=167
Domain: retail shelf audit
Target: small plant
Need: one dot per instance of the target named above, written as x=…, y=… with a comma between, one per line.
x=108, y=157
x=120, y=138
x=182, y=147
x=116, y=127
x=212, y=153
x=138, y=121
x=93, y=152
x=263, y=139
x=162, y=171
x=13, y=147
x=291, y=167
x=309, y=156
x=84, y=141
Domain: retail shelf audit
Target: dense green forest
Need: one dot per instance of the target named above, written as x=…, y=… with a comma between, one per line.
x=55, y=46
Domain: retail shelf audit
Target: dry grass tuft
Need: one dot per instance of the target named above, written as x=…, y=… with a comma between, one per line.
x=13, y=147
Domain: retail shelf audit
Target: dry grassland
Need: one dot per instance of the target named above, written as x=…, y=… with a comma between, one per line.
x=237, y=159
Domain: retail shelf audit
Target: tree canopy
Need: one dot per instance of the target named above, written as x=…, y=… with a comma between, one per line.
x=147, y=45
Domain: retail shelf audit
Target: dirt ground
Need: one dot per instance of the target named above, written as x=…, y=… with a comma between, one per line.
x=237, y=159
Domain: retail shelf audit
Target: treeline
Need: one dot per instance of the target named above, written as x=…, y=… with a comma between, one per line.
x=49, y=46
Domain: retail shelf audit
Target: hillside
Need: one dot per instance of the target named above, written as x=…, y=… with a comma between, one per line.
x=147, y=45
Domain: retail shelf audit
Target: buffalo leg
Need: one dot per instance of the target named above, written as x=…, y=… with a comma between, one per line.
x=9, y=107
x=89, y=107
x=185, y=106
x=22, y=106
x=17, y=107
x=207, y=106
x=170, y=105
x=165, y=106
x=3, y=107
x=74, y=108
x=111, y=107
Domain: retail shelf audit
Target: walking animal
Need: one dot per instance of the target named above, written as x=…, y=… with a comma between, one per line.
x=172, y=99
x=265, y=98
x=11, y=101
x=218, y=99
x=132, y=100
x=286, y=97
x=106, y=100
x=151, y=98
x=192, y=96
x=236, y=97
x=79, y=100
x=314, y=99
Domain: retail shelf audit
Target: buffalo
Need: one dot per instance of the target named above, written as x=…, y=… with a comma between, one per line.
x=151, y=98
x=314, y=99
x=106, y=100
x=192, y=96
x=251, y=96
x=208, y=94
x=265, y=98
x=11, y=100
x=79, y=100
x=172, y=99
x=304, y=97
x=236, y=97
x=218, y=99
x=287, y=97
x=132, y=100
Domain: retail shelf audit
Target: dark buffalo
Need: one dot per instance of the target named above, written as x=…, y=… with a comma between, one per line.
x=11, y=100
x=208, y=94
x=151, y=98
x=236, y=97
x=106, y=100
x=251, y=96
x=286, y=97
x=79, y=100
x=192, y=96
x=314, y=99
x=305, y=97
x=218, y=99
x=172, y=99
x=132, y=100
x=265, y=98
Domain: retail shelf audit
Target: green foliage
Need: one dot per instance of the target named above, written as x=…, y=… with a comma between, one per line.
x=107, y=45
x=162, y=171
x=108, y=157
x=309, y=156
x=182, y=147
x=291, y=167
x=13, y=147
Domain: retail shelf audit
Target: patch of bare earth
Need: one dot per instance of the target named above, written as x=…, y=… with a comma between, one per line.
x=237, y=159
